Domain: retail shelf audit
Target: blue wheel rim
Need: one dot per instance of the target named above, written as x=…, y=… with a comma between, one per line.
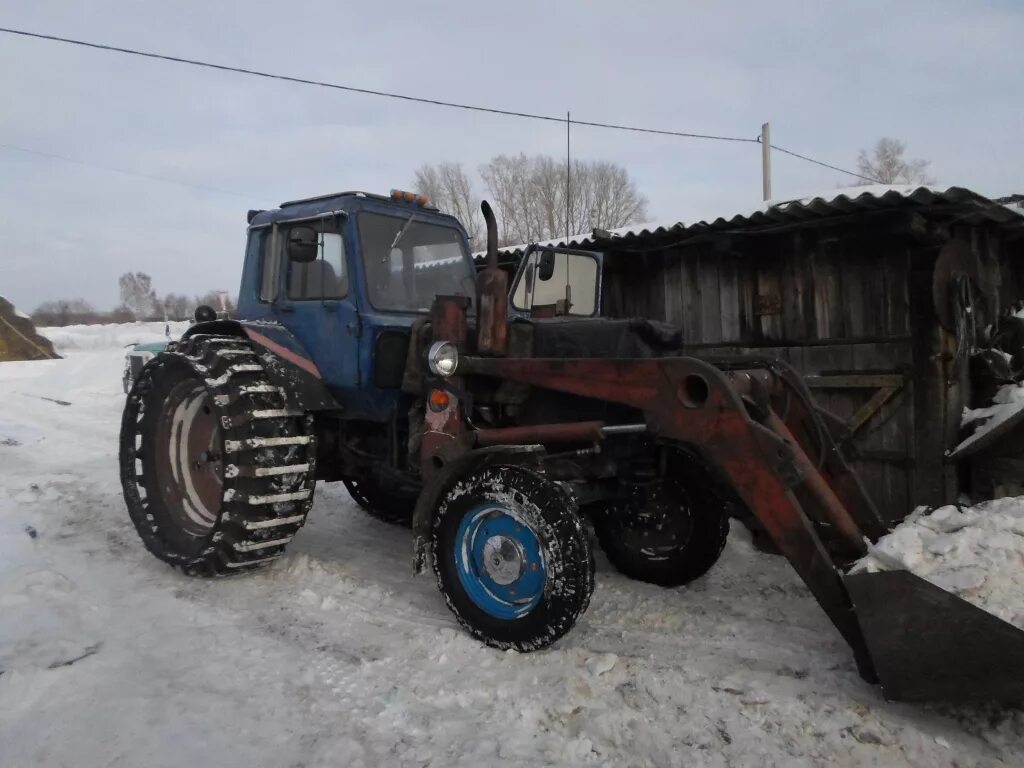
x=499, y=561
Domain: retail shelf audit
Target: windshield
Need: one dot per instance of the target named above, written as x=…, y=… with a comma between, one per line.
x=408, y=262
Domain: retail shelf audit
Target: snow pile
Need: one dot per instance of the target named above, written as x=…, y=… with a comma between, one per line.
x=975, y=552
x=74, y=337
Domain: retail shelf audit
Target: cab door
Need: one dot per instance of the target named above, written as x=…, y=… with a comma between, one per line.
x=314, y=300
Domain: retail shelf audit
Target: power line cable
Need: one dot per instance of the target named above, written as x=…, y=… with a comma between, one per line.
x=355, y=89
x=417, y=99
x=777, y=148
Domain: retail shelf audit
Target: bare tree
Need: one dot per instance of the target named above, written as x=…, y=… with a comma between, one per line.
x=530, y=196
x=138, y=295
x=449, y=188
x=177, y=306
x=886, y=164
x=66, y=312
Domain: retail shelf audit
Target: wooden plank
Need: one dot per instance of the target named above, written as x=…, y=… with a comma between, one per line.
x=729, y=292
x=750, y=328
x=690, y=293
x=897, y=270
x=672, y=283
x=710, y=297
x=795, y=289
x=768, y=302
x=828, y=295
x=821, y=360
x=653, y=265
x=882, y=357
x=875, y=299
x=852, y=286
x=871, y=408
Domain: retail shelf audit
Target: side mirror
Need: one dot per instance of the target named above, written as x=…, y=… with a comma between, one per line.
x=546, y=266
x=528, y=278
x=303, y=244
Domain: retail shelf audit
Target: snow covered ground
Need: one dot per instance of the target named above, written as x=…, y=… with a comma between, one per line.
x=337, y=656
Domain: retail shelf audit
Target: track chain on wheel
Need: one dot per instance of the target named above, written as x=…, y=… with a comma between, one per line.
x=217, y=469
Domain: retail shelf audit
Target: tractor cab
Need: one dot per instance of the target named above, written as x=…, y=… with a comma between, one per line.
x=337, y=281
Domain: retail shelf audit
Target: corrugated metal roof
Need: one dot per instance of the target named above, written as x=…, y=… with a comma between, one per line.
x=953, y=202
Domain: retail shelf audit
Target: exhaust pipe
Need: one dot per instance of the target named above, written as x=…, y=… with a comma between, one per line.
x=492, y=295
x=492, y=234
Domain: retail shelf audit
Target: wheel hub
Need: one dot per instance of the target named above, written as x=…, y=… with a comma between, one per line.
x=503, y=559
x=189, y=464
x=499, y=561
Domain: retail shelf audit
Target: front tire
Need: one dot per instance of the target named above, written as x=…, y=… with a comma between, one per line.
x=512, y=558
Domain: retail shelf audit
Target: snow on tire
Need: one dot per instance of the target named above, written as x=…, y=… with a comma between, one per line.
x=217, y=470
x=512, y=558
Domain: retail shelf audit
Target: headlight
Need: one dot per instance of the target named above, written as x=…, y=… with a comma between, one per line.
x=443, y=358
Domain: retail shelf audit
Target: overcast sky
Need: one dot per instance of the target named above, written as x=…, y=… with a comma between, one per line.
x=947, y=77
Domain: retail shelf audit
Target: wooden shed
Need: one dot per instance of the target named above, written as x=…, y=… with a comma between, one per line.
x=843, y=287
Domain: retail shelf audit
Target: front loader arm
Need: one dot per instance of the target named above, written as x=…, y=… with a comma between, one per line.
x=727, y=416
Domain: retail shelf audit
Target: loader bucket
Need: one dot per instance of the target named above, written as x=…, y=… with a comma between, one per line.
x=930, y=645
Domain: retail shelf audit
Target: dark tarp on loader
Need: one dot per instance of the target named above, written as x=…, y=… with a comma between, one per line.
x=19, y=339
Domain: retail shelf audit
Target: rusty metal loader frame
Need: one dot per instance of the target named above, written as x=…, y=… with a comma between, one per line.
x=755, y=423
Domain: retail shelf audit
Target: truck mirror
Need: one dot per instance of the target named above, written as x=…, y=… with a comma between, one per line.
x=303, y=244
x=546, y=266
x=528, y=278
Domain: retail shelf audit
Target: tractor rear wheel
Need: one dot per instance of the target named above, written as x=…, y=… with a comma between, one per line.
x=389, y=506
x=668, y=534
x=217, y=470
x=512, y=558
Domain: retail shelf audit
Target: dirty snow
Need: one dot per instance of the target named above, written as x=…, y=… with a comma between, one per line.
x=338, y=656
x=976, y=552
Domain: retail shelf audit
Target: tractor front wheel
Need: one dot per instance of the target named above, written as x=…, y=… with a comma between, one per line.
x=668, y=534
x=512, y=558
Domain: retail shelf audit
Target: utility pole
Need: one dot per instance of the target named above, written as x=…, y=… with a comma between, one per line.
x=766, y=160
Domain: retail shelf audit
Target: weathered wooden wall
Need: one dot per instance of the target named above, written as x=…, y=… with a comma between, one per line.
x=833, y=304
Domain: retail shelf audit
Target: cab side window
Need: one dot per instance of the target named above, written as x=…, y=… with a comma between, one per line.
x=326, y=277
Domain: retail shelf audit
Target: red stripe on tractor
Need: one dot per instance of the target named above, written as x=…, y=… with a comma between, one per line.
x=305, y=364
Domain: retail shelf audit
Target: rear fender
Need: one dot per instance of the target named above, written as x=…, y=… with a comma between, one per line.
x=285, y=360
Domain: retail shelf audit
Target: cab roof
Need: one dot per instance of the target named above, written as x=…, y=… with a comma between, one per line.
x=312, y=207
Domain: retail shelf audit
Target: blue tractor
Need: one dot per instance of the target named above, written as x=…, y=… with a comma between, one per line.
x=497, y=421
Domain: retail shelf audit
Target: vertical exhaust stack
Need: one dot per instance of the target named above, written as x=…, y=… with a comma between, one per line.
x=492, y=295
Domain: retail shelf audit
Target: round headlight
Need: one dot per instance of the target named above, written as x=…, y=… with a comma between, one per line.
x=443, y=358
